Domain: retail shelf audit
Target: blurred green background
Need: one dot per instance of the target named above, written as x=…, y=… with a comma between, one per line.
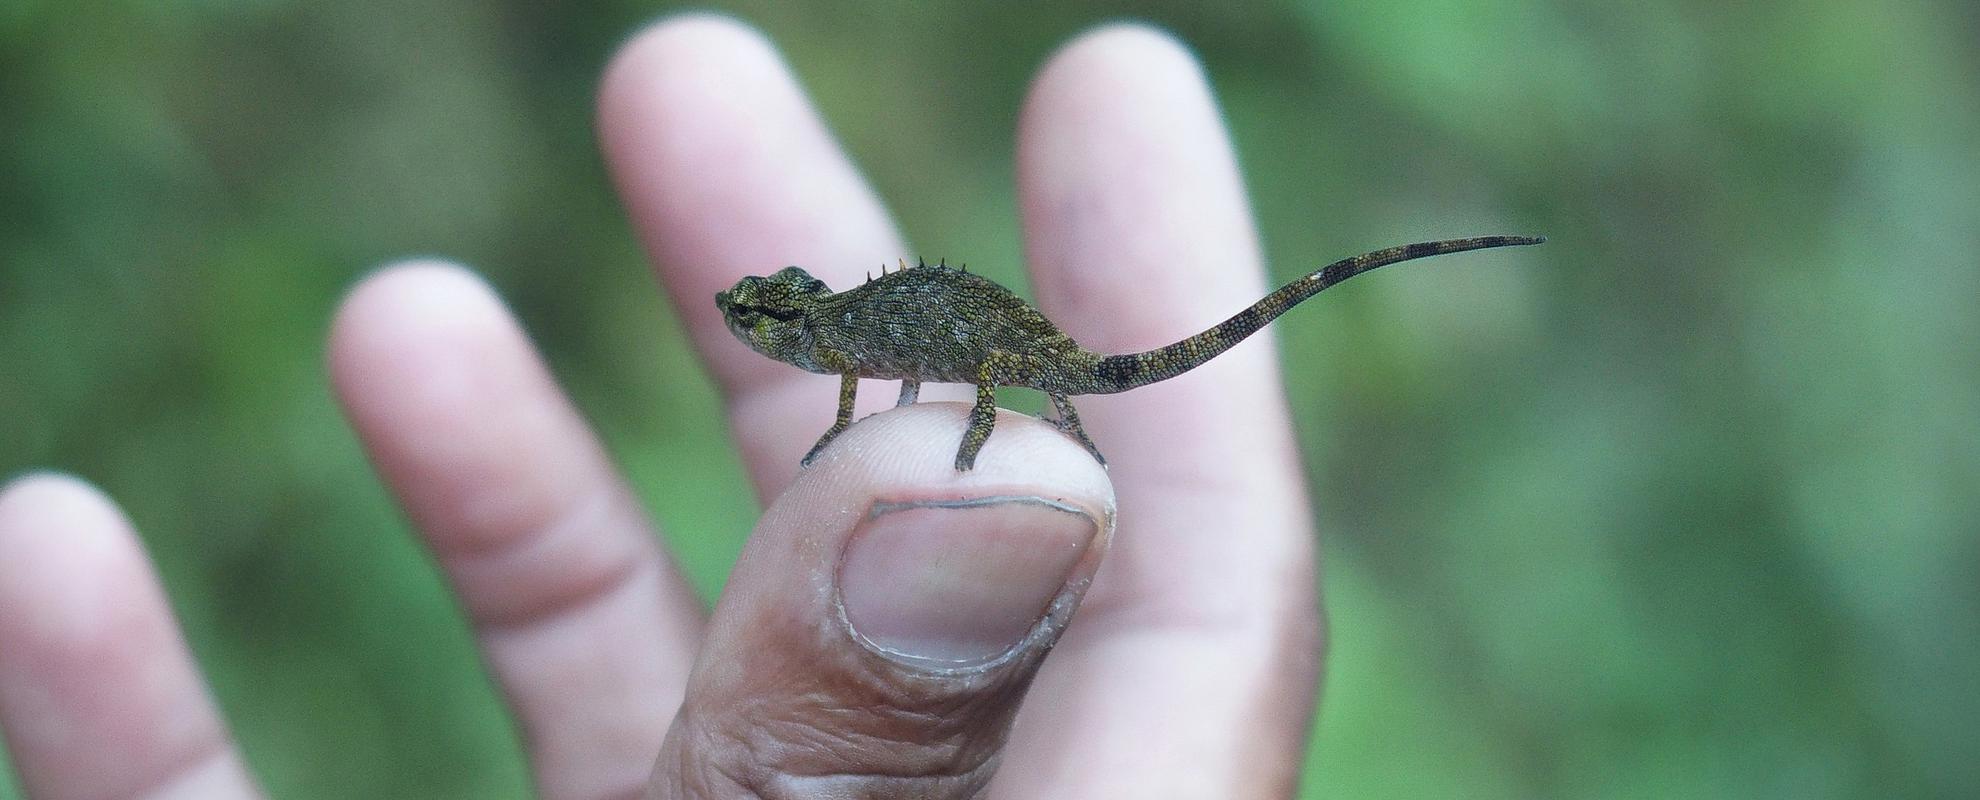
x=1682, y=504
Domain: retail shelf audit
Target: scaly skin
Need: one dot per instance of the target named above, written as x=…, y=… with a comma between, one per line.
x=944, y=325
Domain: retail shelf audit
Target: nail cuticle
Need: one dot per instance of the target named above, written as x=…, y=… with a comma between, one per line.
x=883, y=507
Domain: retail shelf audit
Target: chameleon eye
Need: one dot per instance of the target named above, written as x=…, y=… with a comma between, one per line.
x=753, y=313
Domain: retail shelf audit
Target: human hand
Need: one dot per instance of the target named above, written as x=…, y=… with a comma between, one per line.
x=853, y=653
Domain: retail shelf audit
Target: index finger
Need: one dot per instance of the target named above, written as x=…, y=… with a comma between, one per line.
x=727, y=171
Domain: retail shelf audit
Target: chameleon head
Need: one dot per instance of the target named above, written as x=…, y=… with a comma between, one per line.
x=768, y=313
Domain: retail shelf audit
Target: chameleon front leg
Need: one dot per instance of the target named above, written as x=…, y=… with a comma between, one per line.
x=848, y=389
x=910, y=391
x=1068, y=422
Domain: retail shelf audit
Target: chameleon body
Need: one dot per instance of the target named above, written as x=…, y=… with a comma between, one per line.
x=944, y=325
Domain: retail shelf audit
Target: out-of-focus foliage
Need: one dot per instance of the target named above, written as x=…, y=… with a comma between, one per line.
x=1683, y=504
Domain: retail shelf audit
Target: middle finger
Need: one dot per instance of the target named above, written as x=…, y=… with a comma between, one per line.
x=727, y=171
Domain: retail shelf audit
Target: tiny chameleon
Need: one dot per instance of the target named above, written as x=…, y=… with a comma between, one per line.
x=944, y=325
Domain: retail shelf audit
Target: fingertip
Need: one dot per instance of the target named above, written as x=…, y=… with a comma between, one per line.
x=684, y=39
x=417, y=277
x=40, y=489
x=1130, y=61
x=446, y=390
x=724, y=164
x=696, y=40
x=1132, y=41
x=46, y=512
x=70, y=565
x=676, y=89
x=411, y=323
x=413, y=296
x=98, y=695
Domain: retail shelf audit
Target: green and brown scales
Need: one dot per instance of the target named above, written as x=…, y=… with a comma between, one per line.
x=944, y=325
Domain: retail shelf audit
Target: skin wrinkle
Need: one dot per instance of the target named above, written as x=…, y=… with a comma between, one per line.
x=571, y=591
x=879, y=698
x=790, y=758
x=824, y=747
x=881, y=785
x=476, y=531
x=921, y=726
x=753, y=762
x=694, y=776
x=559, y=606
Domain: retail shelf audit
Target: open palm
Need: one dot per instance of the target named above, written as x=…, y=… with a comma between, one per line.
x=885, y=632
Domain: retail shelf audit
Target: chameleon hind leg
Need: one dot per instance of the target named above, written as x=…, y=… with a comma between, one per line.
x=1068, y=422
x=983, y=415
x=910, y=391
x=848, y=389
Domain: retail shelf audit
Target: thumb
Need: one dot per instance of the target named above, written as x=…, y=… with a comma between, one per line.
x=888, y=614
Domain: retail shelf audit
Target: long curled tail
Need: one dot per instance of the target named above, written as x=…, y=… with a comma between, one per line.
x=1121, y=373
